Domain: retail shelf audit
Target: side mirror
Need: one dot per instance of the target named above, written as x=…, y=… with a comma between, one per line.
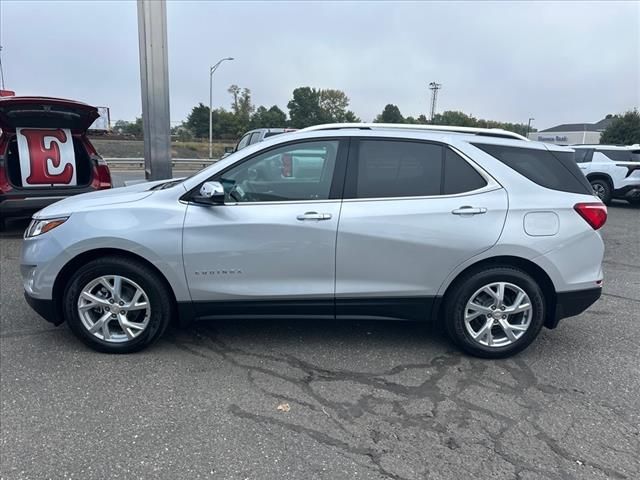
x=229, y=149
x=211, y=193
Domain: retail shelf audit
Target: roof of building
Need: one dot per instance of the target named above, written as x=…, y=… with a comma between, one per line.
x=581, y=127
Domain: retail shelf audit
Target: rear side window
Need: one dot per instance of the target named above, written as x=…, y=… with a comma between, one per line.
x=618, y=155
x=554, y=170
x=255, y=138
x=459, y=176
x=398, y=169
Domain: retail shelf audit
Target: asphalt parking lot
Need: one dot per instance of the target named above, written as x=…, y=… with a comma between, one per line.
x=366, y=400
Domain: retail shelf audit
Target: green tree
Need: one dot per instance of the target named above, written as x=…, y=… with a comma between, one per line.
x=129, y=128
x=198, y=121
x=311, y=106
x=390, y=114
x=304, y=108
x=241, y=106
x=623, y=129
x=273, y=117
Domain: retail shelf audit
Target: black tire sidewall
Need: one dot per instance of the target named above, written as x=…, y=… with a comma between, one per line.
x=140, y=274
x=607, y=188
x=456, y=304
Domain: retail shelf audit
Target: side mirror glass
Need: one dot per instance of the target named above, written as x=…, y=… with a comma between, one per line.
x=210, y=193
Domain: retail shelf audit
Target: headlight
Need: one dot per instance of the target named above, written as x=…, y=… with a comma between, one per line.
x=38, y=227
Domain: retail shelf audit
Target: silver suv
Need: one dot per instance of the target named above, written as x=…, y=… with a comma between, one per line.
x=493, y=235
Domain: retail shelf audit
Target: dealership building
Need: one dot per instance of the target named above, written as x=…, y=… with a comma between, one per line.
x=572, y=133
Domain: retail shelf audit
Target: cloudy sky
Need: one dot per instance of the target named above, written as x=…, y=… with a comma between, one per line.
x=556, y=62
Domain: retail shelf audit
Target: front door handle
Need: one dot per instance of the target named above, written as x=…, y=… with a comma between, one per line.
x=314, y=216
x=468, y=210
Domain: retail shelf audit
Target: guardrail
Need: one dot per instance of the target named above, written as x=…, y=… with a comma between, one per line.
x=186, y=163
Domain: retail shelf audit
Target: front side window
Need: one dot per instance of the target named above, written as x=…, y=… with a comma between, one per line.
x=388, y=168
x=301, y=171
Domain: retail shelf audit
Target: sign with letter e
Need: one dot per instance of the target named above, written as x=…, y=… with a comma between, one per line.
x=46, y=157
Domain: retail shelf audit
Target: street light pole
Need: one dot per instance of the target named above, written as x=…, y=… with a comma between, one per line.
x=211, y=70
x=529, y=126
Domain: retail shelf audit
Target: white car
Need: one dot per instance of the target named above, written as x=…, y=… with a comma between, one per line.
x=613, y=171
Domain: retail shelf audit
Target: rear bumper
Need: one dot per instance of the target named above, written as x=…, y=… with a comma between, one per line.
x=25, y=203
x=45, y=308
x=569, y=304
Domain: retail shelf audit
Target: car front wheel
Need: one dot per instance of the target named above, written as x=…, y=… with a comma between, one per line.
x=117, y=305
x=495, y=313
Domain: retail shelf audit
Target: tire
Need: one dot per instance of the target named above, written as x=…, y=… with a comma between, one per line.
x=471, y=288
x=602, y=189
x=147, y=319
x=634, y=201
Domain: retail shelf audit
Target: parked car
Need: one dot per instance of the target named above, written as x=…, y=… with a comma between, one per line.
x=493, y=235
x=255, y=136
x=613, y=171
x=45, y=155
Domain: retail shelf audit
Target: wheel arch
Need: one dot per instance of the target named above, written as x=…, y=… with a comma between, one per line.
x=537, y=273
x=601, y=176
x=67, y=271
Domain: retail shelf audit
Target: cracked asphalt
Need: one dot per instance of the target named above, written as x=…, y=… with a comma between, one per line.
x=369, y=400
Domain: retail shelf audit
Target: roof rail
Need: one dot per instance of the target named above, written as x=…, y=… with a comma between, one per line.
x=487, y=132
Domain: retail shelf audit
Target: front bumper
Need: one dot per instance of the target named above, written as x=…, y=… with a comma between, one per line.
x=570, y=304
x=45, y=308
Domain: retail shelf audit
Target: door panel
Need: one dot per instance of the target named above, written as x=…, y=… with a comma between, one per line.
x=261, y=251
x=274, y=238
x=407, y=247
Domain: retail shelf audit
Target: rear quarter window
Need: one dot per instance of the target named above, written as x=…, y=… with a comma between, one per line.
x=553, y=170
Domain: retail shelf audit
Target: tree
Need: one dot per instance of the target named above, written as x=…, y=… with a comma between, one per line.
x=129, y=128
x=304, y=108
x=310, y=106
x=241, y=107
x=273, y=117
x=623, y=129
x=390, y=114
x=460, y=119
x=198, y=121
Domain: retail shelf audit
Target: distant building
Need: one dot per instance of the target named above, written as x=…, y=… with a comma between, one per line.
x=572, y=133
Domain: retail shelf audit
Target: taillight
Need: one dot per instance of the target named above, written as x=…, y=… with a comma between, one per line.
x=101, y=175
x=595, y=214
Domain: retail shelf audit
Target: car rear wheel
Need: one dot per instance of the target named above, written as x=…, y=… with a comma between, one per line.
x=602, y=189
x=117, y=305
x=495, y=313
x=634, y=201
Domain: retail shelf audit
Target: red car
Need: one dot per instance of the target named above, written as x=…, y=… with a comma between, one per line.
x=45, y=154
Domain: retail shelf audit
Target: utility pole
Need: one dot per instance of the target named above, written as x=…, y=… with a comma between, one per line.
x=154, y=81
x=434, y=87
x=529, y=125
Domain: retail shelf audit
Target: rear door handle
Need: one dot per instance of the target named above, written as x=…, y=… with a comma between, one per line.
x=468, y=210
x=314, y=216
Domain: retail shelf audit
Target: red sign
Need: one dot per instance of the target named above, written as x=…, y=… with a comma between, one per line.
x=46, y=156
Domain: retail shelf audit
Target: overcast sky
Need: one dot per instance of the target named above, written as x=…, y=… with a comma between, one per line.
x=556, y=62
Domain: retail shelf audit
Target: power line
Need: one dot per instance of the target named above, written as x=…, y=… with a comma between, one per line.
x=434, y=87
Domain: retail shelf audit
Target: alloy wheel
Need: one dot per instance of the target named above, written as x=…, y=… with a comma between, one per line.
x=114, y=308
x=498, y=314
